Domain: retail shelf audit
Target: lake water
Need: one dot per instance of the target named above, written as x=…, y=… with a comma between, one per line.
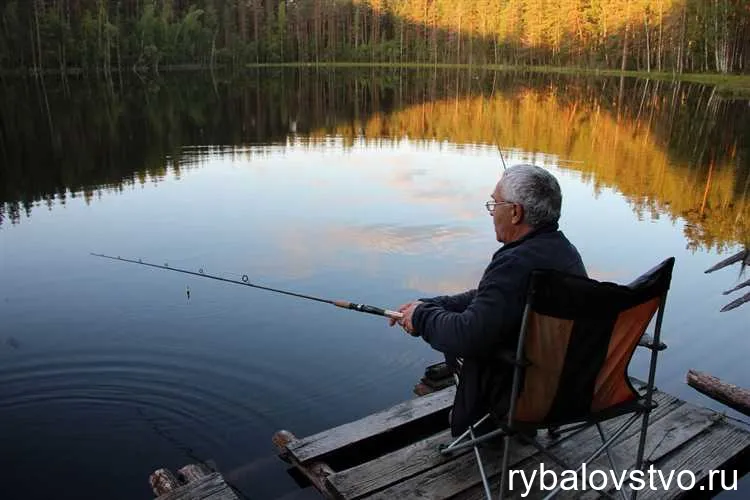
x=366, y=185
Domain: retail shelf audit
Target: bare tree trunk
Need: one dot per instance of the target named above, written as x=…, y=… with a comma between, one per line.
x=401, y=41
x=680, y=54
x=458, y=51
x=356, y=27
x=40, y=63
x=661, y=23
x=623, y=66
x=624, y=63
x=41, y=66
x=716, y=35
x=648, y=46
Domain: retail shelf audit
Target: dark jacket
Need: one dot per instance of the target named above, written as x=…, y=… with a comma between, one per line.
x=475, y=324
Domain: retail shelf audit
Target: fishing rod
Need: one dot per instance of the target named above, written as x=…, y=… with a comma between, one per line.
x=246, y=282
x=501, y=156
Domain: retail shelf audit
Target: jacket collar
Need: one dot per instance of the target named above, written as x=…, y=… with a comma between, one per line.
x=547, y=228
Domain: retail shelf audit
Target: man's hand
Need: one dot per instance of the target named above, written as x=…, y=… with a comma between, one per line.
x=406, y=321
x=401, y=309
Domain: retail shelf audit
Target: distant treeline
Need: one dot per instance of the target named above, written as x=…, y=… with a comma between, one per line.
x=108, y=35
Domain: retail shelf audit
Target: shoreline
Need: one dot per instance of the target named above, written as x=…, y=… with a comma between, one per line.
x=733, y=84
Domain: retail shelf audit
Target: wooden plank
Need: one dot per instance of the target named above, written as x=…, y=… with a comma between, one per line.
x=574, y=450
x=458, y=476
x=667, y=436
x=403, y=464
x=193, y=472
x=451, y=478
x=709, y=452
x=209, y=487
x=393, y=467
x=316, y=446
x=705, y=442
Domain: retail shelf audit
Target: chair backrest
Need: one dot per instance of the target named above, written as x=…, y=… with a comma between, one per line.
x=579, y=339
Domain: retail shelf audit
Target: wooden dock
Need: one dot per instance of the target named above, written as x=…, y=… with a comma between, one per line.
x=192, y=482
x=394, y=453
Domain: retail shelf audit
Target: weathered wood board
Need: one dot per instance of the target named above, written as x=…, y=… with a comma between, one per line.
x=208, y=487
x=680, y=436
x=315, y=447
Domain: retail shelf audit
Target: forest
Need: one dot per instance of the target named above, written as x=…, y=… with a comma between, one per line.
x=106, y=36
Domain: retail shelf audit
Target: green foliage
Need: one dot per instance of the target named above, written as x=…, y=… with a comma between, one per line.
x=650, y=35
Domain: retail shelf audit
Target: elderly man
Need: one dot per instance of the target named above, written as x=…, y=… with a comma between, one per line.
x=469, y=327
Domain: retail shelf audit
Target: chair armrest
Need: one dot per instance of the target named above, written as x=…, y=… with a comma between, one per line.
x=647, y=341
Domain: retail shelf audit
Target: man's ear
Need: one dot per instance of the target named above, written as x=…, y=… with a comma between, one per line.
x=518, y=214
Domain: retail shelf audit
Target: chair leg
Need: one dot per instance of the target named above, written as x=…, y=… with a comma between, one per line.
x=481, y=467
x=596, y=453
x=650, y=388
x=454, y=445
x=504, y=466
x=641, y=446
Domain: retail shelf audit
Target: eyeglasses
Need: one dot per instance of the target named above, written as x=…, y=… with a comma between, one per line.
x=490, y=205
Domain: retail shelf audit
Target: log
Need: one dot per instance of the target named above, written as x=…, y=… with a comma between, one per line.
x=728, y=394
x=163, y=481
x=736, y=303
x=742, y=255
x=741, y=285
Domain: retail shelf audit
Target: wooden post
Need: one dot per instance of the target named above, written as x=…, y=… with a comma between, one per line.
x=163, y=481
x=728, y=394
x=192, y=482
x=315, y=472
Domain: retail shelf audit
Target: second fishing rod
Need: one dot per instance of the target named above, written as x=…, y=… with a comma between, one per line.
x=365, y=308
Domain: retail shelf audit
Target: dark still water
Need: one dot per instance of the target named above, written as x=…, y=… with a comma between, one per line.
x=363, y=185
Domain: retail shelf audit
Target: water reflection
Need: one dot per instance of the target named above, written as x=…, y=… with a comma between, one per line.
x=673, y=149
x=357, y=185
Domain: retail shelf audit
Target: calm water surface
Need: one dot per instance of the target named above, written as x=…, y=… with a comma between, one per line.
x=361, y=185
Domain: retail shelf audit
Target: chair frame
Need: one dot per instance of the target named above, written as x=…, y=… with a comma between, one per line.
x=643, y=411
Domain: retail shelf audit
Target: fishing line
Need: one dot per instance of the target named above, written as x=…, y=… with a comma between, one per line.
x=365, y=308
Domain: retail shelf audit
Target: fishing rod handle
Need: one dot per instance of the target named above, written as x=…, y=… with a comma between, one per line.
x=368, y=309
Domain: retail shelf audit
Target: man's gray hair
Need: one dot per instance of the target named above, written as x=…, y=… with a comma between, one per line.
x=536, y=190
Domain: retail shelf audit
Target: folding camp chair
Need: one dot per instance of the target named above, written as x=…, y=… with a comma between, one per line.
x=570, y=372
